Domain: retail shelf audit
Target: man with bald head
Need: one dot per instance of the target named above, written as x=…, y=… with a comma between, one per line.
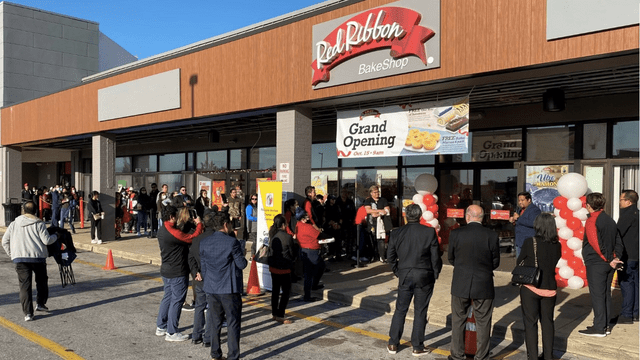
x=474, y=252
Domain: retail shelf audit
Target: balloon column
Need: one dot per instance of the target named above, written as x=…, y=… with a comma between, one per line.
x=571, y=215
x=426, y=185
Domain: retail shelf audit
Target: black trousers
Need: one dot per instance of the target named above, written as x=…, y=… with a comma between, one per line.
x=24, y=270
x=482, y=309
x=229, y=305
x=421, y=297
x=279, y=301
x=536, y=307
x=96, y=226
x=313, y=269
x=599, y=277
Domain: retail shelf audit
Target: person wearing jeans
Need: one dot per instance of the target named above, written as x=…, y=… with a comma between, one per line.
x=174, y=251
x=628, y=229
x=312, y=263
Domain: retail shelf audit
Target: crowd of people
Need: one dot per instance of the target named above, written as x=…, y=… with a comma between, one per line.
x=200, y=240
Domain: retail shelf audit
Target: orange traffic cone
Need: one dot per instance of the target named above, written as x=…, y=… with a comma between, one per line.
x=109, y=265
x=253, y=286
x=470, y=336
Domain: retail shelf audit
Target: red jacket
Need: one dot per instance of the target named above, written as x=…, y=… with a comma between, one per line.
x=307, y=236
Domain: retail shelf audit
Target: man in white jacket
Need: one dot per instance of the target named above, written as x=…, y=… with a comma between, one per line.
x=25, y=241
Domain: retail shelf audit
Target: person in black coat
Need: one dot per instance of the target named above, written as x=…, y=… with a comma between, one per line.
x=474, y=252
x=280, y=266
x=415, y=259
x=628, y=229
x=539, y=302
x=200, y=297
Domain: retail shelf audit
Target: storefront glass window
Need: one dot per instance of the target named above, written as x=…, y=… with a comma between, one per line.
x=419, y=160
x=174, y=181
x=358, y=182
x=498, y=191
x=324, y=156
x=263, y=158
x=625, y=139
x=595, y=141
x=409, y=176
x=550, y=143
x=123, y=164
x=373, y=161
x=238, y=159
x=500, y=145
x=211, y=160
x=172, y=162
x=190, y=165
x=146, y=163
x=455, y=191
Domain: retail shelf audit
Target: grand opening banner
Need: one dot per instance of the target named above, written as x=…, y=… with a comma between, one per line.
x=429, y=128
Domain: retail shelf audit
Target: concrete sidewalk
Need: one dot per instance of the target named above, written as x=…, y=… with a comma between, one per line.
x=373, y=288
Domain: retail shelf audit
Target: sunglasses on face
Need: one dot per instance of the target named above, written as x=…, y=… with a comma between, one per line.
x=254, y=198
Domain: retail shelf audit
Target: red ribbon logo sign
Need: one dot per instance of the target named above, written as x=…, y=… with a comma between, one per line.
x=387, y=27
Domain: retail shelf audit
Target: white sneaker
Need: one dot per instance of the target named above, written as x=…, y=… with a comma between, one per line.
x=176, y=337
x=94, y=241
x=98, y=241
x=161, y=332
x=28, y=318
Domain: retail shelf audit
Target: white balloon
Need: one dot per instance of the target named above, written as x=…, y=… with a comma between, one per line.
x=417, y=199
x=566, y=272
x=438, y=228
x=423, y=207
x=581, y=214
x=426, y=182
x=435, y=197
x=565, y=233
x=561, y=263
x=427, y=215
x=574, y=204
x=574, y=243
x=584, y=223
x=572, y=185
x=556, y=212
x=578, y=253
x=434, y=223
x=575, y=282
x=560, y=222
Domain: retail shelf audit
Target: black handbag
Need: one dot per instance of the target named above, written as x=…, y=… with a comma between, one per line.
x=527, y=275
x=263, y=254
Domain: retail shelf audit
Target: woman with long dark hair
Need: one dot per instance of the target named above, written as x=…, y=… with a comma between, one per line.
x=539, y=302
x=280, y=265
x=95, y=215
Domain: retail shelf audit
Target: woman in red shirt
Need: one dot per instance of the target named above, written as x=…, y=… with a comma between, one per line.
x=313, y=264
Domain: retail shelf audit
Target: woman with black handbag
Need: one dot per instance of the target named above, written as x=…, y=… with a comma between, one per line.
x=538, y=302
x=280, y=265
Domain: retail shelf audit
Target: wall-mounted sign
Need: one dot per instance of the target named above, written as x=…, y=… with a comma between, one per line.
x=455, y=213
x=429, y=128
x=397, y=38
x=500, y=214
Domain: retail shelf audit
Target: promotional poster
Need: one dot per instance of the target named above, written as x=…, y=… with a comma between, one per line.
x=428, y=128
x=542, y=183
x=269, y=205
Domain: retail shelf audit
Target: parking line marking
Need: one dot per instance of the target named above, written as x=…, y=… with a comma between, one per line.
x=39, y=340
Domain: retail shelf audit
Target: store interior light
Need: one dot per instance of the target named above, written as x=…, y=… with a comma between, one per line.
x=553, y=100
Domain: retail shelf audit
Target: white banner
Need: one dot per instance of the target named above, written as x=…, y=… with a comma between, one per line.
x=429, y=128
x=269, y=205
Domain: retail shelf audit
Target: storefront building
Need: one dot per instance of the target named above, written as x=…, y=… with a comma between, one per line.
x=550, y=89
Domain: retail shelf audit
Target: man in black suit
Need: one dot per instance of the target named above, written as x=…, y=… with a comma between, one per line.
x=415, y=258
x=474, y=252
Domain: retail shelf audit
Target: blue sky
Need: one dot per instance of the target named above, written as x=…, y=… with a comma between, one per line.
x=146, y=28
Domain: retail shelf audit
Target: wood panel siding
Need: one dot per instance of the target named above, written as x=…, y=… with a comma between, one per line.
x=273, y=68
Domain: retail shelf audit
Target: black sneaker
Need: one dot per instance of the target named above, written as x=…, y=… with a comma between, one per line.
x=188, y=307
x=40, y=307
x=624, y=320
x=590, y=331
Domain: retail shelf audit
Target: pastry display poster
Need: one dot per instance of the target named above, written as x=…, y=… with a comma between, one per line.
x=542, y=183
x=428, y=128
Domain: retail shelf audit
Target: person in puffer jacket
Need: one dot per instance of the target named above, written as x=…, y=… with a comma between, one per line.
x=25, y=241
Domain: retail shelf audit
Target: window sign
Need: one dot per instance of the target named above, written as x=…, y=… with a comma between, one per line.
x=497, y=145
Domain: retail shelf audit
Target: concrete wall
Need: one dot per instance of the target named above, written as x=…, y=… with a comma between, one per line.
x=43, y=52
x=111, y=54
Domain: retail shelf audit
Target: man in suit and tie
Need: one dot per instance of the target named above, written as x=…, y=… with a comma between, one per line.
x=221, y=263
x=474, y=252
x=415, y=258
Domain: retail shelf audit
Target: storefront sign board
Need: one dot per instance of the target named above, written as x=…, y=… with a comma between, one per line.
x=396, y=38
x=429, y=128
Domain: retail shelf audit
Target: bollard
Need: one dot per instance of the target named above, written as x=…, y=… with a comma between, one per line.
x=81, y=202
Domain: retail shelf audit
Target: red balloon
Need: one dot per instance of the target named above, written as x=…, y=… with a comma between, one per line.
x=423, y=221
x=560, y=202
x=436, y=215
x=561, y=281
x=455, y=199
x=581, y=271
x=579, y=233
x=566, y=213
x=567, y=253
x=575, y=263
x=584, y=201
x=573, y=223
x=433, y=208
x=428, y=199
x=586, y=283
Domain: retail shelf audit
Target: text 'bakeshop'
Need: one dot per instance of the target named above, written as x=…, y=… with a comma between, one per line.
x=387, y=64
